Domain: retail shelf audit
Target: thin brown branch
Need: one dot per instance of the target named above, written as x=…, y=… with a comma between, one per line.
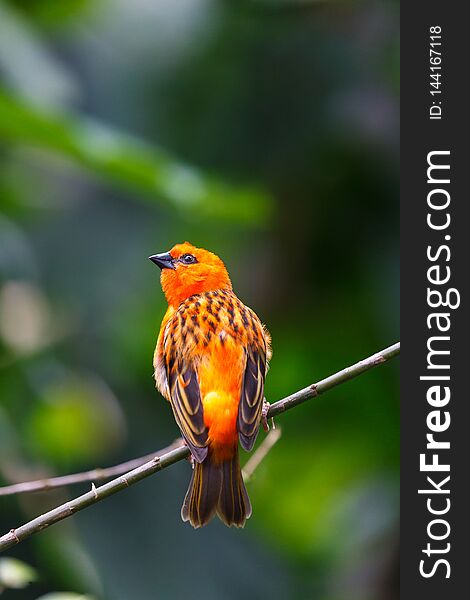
x=261, y=452
x=15, y=536
x=97, y=474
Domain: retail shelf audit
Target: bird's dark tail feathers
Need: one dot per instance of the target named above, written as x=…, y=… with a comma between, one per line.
x=216, y=487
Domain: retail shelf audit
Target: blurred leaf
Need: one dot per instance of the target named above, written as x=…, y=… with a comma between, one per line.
x=15, y=573
x=51, y=12
x=28, y=64
x=79, y=420
x=127, y=161
x=24, y=317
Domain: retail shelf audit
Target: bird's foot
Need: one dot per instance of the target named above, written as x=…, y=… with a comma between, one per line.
x=264, y=416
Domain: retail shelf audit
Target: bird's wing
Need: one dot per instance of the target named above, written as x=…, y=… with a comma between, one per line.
x=183, y=387
x=187, y=407
x=160, y=374
x=252, y=391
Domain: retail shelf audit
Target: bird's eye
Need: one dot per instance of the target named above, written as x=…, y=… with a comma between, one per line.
x=188, y=259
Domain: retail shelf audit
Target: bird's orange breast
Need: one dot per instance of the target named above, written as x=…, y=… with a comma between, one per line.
x=220, y=376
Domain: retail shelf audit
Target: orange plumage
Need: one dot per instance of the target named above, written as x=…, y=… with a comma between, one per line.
x=210, y=362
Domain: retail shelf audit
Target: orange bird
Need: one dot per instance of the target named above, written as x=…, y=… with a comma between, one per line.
x=210, y=362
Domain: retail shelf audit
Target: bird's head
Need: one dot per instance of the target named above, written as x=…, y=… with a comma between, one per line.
x=187, y=270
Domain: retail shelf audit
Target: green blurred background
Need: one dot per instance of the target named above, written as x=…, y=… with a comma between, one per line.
x=266, y=131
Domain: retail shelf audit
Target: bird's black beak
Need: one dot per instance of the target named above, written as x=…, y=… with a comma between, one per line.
x=163, y=260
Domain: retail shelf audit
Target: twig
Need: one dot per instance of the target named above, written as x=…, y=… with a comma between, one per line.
x=97, y=474
x=261, y=452
x=15, y=536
